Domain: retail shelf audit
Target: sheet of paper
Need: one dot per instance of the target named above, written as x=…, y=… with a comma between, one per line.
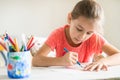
x=76, y=72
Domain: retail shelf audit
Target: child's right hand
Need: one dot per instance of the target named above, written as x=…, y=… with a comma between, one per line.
x=70, y=58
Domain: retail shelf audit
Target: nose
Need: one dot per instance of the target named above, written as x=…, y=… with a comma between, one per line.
x=82, y=36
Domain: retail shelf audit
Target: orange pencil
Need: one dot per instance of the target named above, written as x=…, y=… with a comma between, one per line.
x=2, y=44
x=2, y=48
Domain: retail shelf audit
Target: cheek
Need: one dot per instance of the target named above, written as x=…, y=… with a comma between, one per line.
x=73, y=33
x=87, y=37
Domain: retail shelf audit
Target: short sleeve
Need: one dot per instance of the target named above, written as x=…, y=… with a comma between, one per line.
x=52, y=40
x=100, y=42
x=96, y=43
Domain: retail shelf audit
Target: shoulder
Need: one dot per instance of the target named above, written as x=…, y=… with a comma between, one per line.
x=98, y=37
x=58, y=32
x=55, y=37
x=95, y=43
x=96, y=40
x=60, y=29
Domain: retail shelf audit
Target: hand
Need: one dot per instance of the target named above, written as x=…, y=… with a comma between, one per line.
x=96, y=66
x=70, y=58
x=97, y=57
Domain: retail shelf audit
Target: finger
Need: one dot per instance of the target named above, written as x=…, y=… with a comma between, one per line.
x=93, y=67
x=105, y=68
x=73, y=62
x=87, y=67
x=99, y=67
x=74, y=58
x=75, y=54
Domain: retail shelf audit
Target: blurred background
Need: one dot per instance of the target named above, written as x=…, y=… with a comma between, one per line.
x=40, y=17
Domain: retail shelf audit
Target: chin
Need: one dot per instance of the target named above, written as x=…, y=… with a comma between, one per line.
x=77, y=42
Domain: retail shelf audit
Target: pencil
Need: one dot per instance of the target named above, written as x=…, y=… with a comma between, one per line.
x=66, y=50
x=16, y=45
x=31, y=46
x=30, y=42
x=24, y=42
x=10, y=39
x=3, y=47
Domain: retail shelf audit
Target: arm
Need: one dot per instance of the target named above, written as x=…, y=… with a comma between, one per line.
x=41, y=58
x=113, y=55
x=98, y=57
x=112, y=59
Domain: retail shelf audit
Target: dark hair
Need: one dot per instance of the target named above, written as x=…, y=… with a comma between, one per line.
x=87, y=8
x=91, y=10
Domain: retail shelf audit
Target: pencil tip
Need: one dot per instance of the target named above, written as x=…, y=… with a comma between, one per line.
x=79, y=64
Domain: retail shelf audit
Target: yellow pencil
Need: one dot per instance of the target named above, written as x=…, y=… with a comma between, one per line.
x=1, y=48
x=16, y=45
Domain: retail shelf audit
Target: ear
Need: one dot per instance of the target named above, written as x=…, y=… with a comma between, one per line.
x=69, y=18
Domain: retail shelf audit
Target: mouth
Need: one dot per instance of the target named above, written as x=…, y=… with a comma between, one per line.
x=78, y=40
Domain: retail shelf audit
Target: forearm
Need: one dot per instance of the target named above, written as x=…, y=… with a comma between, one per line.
x=112, y=60
x=46, y=61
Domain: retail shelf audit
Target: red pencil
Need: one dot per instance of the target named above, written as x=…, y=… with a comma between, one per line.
x=30, y=46
x=10, y=39
x=30, y=42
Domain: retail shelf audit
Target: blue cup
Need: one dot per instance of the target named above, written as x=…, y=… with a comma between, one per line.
x=19, y=64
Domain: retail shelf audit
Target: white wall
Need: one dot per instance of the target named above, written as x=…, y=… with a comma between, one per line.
x=112, y=21
x=40, y=17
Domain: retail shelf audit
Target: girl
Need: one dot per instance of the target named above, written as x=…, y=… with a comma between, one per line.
x=82, y=38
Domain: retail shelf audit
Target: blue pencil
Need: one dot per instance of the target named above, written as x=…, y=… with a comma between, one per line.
x=77, y=61
x=3, y=55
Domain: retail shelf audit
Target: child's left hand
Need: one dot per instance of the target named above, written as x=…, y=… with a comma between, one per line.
x=96, y=66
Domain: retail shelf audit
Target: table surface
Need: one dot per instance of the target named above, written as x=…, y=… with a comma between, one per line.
x=67, y=73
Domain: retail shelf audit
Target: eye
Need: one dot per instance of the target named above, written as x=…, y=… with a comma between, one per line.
x=89, y=33
x=79, y=29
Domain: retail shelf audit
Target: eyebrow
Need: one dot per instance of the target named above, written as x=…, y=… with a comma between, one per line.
x=84, y=28
x=80, y=26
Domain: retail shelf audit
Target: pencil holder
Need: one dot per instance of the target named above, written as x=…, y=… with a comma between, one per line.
x=19, y=64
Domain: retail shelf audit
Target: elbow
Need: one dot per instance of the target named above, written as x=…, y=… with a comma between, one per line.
x=34, y=62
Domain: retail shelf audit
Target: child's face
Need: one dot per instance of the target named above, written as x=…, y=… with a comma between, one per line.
x=81, y=29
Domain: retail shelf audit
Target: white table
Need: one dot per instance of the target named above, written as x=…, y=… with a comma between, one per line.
x=63, y=73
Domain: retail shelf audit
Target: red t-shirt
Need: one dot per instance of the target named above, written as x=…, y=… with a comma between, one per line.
x=57, y=40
